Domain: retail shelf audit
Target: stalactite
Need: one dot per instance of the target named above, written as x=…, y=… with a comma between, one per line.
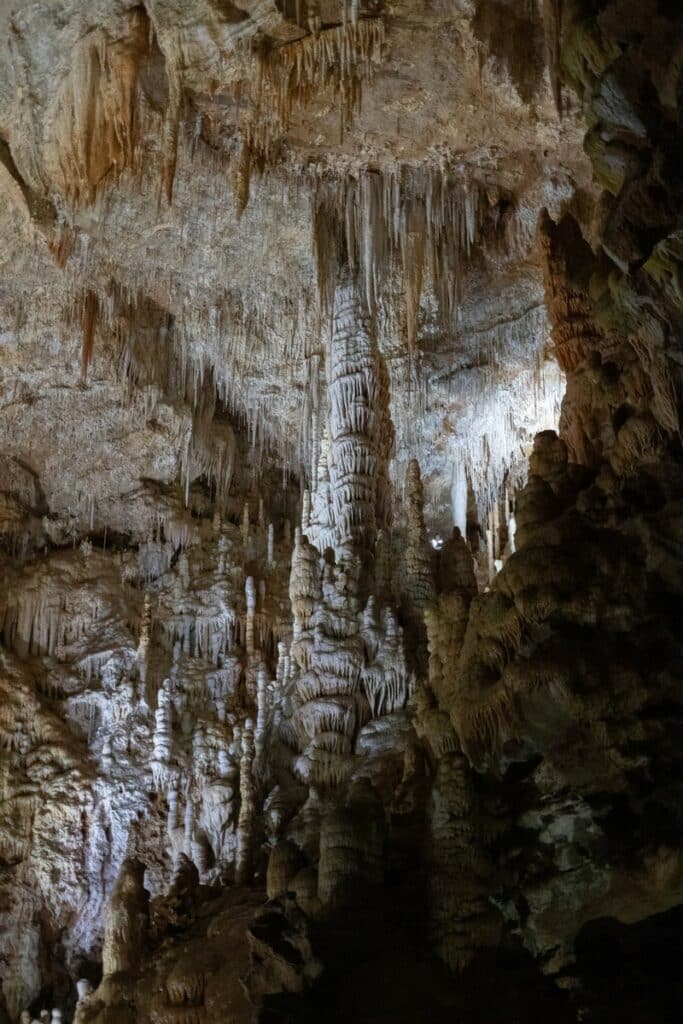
x=341, y=58
x=171, y=127
x=488, y=445
x=418, y=221
x=95, y=123
x=313, y=11
x=241, y=171
x=495, y=528
x=90, y=313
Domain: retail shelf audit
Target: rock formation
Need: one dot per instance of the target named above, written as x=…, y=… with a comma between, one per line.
x=341, y=530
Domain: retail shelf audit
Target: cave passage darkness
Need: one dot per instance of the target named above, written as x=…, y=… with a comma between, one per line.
x=341, y=512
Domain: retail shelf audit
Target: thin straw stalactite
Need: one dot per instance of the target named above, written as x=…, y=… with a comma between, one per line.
x=89, y=324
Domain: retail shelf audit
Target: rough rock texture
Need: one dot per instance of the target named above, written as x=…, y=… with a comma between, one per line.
x=341, y=511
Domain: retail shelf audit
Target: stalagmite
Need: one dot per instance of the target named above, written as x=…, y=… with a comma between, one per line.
x=417, y=573
x=83, y=988
x=306, y=510
x=163, y=735
x=250, y=594
x=245, y=524
x=184, y=570
x=172, y=821
x=243, y=853
x=107, y=758
x=199, y=853
x=144, y=642
x=350, y=848
x=361, y=434
x=446, y=619
x=127, y=920
x=261, y=717
x=315, y=450
x=304, y=583
x=284, y=863
x=188, y=825
x=459, y=498
x=512, y=530
x=495, y=526
x=462, y=920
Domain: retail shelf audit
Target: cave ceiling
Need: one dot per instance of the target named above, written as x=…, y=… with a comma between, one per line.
x=186, y=165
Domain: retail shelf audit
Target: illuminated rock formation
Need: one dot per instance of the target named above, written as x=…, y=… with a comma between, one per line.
x=408, y=276
x=127, y=922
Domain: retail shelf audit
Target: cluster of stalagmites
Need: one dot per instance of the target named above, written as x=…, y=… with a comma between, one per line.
x=345, y=726
x=293, y=758
x=349, y=665
x=352, y=709
x=588, y=547
x=176, y=719
x=228, y=747
x=350, y=683
x=147, y=975
x=47, y=1016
